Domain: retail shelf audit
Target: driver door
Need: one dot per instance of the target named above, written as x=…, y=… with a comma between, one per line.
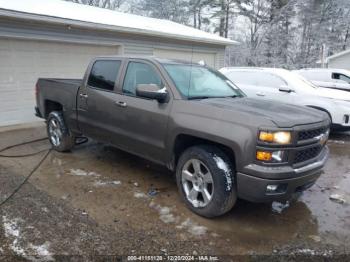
x=143, y=122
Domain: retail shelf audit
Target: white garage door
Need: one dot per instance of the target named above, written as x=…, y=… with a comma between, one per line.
x=22, y=62
x=196, y=56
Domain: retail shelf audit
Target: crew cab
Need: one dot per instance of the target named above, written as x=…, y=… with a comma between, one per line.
x=288, y=87
x=190, y=118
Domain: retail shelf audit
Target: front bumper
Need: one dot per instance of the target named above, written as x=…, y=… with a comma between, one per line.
x=254, y=188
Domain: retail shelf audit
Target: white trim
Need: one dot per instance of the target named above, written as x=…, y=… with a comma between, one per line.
x=69, y=13
x=338, y=55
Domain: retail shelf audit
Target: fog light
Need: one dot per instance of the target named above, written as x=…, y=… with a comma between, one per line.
x=274, y=157
x=271, y=188
x=263, y=156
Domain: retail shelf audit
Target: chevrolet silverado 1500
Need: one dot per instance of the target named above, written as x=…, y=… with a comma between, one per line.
x=192, y=119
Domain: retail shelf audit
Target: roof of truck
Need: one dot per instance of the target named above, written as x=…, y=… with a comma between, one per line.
x=151, y=58
x=85, y=15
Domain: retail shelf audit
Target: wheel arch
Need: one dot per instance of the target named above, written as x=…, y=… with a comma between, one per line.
x=184, y=141
x=50, y=106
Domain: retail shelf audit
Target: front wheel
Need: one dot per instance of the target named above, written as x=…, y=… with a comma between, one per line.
x=206, y=181
x=58, y=133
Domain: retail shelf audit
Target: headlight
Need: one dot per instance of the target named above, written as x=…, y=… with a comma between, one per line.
x=282, y=138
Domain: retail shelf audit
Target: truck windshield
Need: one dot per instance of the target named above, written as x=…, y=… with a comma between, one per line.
x=198, y=82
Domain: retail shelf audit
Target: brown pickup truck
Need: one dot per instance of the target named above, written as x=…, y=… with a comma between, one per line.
x=192, y=119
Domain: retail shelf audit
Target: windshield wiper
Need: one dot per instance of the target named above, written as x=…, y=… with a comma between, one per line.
x=233, y=96
x=199, y=97
x=207, y=97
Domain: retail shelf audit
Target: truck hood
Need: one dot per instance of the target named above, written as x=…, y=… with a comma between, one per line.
x=282, y=115
x=333, y=94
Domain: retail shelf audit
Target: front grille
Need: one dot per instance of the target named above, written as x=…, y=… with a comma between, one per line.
x=307, y=154
x=312, y=133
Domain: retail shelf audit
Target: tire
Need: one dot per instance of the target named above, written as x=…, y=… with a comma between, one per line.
x=220, y=190
x=60, y=137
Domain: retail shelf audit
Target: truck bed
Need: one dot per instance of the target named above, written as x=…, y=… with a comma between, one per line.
x=61, y=91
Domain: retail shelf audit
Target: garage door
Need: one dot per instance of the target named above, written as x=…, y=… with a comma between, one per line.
x=22, y=62
x=209, y=58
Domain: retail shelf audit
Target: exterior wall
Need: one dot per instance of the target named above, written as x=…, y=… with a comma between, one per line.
x=341, y=62
x=24, y=61
x=130, y=44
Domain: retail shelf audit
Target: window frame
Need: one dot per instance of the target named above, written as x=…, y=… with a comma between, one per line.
x=141, y=61
x=116, y=81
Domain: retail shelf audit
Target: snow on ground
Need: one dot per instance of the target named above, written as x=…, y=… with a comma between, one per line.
x=80, y=172
x=31, y=252
x=193, y=227
x=164, y=213
x=140, y=195
x=100, y=183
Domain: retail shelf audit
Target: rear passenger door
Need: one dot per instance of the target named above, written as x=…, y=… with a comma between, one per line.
x=96, y=100
x=143, y=122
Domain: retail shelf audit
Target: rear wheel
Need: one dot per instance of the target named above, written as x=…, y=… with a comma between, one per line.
x=205, y=177
x=58, y=133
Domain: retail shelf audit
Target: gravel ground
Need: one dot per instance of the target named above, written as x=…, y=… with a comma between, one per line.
x=98, y=204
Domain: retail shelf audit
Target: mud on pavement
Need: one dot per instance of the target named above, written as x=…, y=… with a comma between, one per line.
x=98, y=202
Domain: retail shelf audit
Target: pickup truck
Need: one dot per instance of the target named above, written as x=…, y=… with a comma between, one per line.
x=190, y=118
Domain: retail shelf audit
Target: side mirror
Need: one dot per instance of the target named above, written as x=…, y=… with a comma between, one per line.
x=152, y=91
x=286, y=89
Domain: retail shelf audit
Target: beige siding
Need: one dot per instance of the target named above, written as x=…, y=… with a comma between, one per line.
x=24, y=61
x=341, y=62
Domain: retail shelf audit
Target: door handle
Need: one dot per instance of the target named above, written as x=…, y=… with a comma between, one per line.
x=121, y=104
x=83, y=95
x=260, y=94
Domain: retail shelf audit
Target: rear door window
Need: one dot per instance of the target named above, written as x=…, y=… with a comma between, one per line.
x=104, y=74
x=140, y=73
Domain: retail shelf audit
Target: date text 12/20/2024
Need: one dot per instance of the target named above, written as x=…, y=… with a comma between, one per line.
x=173, y=258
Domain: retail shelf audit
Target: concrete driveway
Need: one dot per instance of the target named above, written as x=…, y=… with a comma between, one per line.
x=98, y=200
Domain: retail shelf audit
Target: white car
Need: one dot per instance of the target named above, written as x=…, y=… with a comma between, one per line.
x=285, y=86
x=328, y=78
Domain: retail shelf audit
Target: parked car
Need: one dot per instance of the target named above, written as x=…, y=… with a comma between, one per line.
x=328, y=78
x=288, y=87
x=192, y=119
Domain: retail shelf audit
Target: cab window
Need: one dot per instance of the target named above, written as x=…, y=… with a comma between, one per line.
x=104, y=74
x=140, y=73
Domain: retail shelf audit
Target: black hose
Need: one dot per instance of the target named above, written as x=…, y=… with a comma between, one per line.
x=23, y=143
x=79, y=141
x=26, y=179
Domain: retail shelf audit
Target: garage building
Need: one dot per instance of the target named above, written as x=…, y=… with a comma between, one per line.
x=55, y=38
x=340, y=60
